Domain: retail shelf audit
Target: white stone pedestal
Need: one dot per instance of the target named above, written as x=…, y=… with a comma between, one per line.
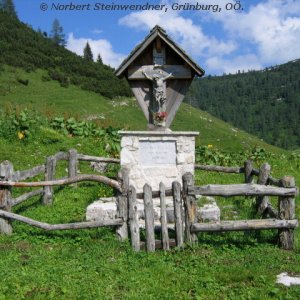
x=157, y=156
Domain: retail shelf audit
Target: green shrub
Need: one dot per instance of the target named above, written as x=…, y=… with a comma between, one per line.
x=59, y=76
x=23, y=81
x=19, y=124
x=50, y=136
x=110, y=137
x=213, y=156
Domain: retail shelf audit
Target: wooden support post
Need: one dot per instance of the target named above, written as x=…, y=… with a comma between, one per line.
x=149, y=218
x=122, y=204
x=49, y=175
x=190, y=207
x=248, y=171
x=133, y=219
x=178, y=213
x=73, y=163
x=262, y=202
x=6, y=174
x=286, y=212
x=163, y=218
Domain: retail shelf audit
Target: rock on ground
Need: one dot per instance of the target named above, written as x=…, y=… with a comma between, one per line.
x=287, y=280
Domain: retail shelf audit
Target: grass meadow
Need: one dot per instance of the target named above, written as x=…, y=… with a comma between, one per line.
x=93, y=264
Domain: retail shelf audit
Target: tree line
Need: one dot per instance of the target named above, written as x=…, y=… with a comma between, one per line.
x=265, y=103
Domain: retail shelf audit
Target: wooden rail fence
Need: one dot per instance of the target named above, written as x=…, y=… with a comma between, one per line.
x=186, y=225
x=185, y=212
x=10, y=178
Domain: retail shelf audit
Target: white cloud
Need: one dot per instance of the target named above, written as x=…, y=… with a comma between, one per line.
x=183, y=30
x=96, y=31
x=101, y=46
x=273, y=26
x=219, y=65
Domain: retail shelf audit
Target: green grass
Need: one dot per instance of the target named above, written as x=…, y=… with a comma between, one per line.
x=93, y=264
x=102, y=269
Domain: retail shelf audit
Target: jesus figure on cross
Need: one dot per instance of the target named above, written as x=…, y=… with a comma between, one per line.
x=159, y=88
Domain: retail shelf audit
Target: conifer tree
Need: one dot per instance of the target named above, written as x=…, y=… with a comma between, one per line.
x=57, y=35
x=99, y=59
x=8, y=7
x=87, y=53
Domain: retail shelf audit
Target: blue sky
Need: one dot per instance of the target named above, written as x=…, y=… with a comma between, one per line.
x=261, y=33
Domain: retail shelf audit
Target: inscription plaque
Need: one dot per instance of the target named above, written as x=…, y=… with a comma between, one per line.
x=157, y=153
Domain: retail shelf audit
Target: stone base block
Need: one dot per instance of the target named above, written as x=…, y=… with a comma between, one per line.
x=106, y=209
x=99, y=211
x=157, y=156
x=209, y=212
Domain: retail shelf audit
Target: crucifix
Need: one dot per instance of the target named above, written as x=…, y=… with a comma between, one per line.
x=159, y=89
x=159, y=73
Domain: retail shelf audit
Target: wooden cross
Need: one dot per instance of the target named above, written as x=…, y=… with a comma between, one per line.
x=178, y=72
x=159, y=74
x=147, y=72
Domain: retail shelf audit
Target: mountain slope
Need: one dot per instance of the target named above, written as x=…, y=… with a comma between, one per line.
x=265, y=103
x=52, y=100
x=20, y=46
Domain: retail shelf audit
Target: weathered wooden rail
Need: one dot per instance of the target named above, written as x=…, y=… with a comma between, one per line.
x=49, y=227
x=98, y=178
x=247, y=169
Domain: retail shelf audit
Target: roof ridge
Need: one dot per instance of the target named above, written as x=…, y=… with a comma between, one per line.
x=159, y=28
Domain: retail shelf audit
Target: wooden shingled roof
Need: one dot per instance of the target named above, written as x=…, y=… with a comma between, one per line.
x=157, y=31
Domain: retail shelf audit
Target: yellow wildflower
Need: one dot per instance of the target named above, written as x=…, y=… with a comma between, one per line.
x=209, y=146
x=21, y=135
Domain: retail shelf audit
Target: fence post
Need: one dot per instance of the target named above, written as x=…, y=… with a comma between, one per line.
x=163, y=218
x=262, y=202
x=49, y=175
x=248, y=171
x=149, y=218
x=73, y=163
x=6, y=173
x=286, y=212
x=122, y=204
x=190, y=207
x=178, y=213
x=133, y=219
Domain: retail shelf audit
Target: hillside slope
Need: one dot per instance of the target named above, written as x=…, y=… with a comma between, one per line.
x=21, y=46
x=49, y=98
x=265, y=103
